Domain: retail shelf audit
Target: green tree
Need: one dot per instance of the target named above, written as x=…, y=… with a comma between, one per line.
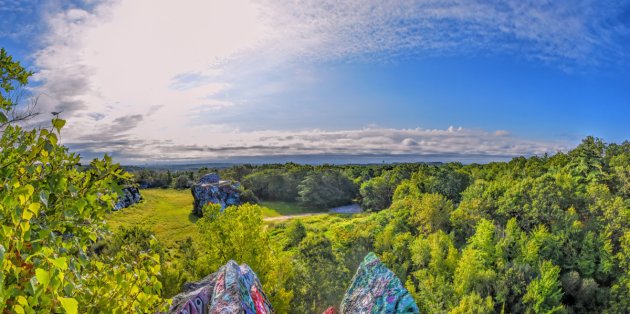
x=181, y=182
x=51, y=213
x=326, y=189
x=295, y=233
x=238, y=233
x=430, y=213
x=474, y=304
x=376, y=193
x=406, y=189
x=12, y=77
x=620, y=289
x=479, y=201
x=316, y=284
x=544, y=293
x=434, y=258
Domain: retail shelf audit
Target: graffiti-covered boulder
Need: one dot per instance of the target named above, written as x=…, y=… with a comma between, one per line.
x=232, y=289
x=236, y=289
x=376, y=289
x=130, y=195
x=211, y=189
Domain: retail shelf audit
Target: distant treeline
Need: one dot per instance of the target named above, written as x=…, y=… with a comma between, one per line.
x=324, y=186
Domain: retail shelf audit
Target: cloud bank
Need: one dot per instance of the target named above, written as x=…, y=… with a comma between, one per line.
x=399, y=144
x=133, y=76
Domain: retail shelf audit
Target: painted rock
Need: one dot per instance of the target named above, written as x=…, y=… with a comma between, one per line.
x=232, y=289
x=376, y=289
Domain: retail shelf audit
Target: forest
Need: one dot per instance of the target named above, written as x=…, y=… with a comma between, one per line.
x=533, y=235
x=539, y=234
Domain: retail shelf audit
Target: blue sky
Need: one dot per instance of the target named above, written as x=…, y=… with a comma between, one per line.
x=188, y=81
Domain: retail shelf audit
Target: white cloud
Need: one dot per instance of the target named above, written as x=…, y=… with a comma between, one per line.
x=129, y=57
x=163, y=63
x=375, y=141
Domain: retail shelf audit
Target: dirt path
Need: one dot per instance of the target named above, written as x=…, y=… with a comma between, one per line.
x=349, y=209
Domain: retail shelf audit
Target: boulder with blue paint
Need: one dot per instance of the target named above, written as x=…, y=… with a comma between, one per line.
x=130, y=195
x=210, y=189
x=376, y=289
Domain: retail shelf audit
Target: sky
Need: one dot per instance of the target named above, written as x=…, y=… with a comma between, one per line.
x=156, y=81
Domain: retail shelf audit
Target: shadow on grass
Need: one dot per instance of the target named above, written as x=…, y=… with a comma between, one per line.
x=192, y=217
x=290, y=208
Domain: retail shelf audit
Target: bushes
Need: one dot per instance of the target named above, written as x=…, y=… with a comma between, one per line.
x=181, y=182
x=275, y=184
x=377, y=193
x=238, y=233
x=51, y=213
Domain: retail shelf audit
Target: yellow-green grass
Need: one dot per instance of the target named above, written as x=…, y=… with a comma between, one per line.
x=167, y=212
x=276, y=209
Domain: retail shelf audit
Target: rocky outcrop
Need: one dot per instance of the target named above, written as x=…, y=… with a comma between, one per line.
x=211, y=189
x=236, y=289
x=130, y=195
x=232, y=289
x=376, y=289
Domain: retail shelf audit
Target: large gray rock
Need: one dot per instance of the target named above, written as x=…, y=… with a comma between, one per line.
x=130, y=195
x=210, y=189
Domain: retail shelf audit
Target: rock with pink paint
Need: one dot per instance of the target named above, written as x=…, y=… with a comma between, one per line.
x=231, y=289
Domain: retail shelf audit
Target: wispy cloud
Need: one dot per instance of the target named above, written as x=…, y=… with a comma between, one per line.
x=139, y=72
x=575, y=31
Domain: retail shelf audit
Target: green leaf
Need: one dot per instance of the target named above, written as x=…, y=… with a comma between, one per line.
x=58, y=124
x=3, y=118
x=60, y=262
x=27, y=215
x=52, y=138
x=42, y=276
x=18, y=309
x=70, y=305
x=34, y=207
x=43, y=197
x=22, y=300
x=2, y=250
x=30, y=189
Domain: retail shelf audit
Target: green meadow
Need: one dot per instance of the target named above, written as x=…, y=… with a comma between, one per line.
x=167, y=212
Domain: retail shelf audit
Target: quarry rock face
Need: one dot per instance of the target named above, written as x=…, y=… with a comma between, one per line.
x=232, y=289
x=376, y=289
x=130, y=195
x=211, y=189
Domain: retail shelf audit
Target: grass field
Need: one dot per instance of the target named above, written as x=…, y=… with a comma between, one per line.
x=167, y=212
x=276, y=209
